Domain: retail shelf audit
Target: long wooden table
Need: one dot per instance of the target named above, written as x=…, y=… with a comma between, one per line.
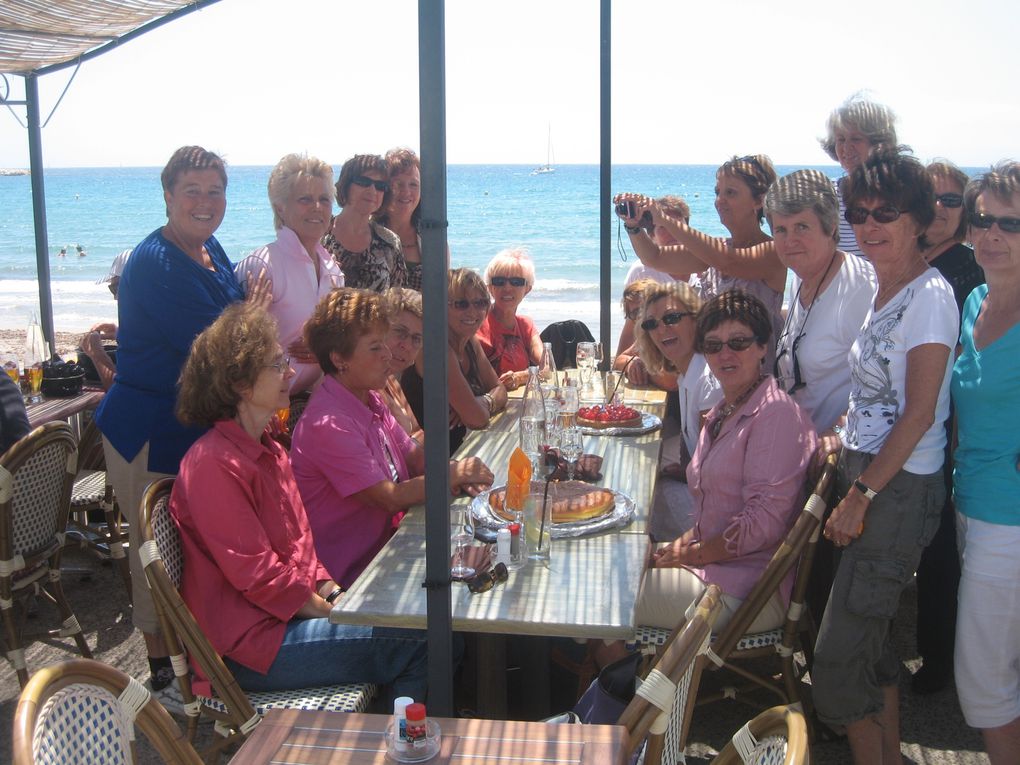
x=325, y=738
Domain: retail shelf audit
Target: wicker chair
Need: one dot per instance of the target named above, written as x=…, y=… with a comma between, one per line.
x=35, y=492
x=733, y=643
x=236, y=712
x=298, y=402
x=93, y=493
x=83, y=711
x=661, y=708
x=778, y=736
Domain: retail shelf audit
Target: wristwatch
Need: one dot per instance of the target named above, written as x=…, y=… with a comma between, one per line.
x=864, y=489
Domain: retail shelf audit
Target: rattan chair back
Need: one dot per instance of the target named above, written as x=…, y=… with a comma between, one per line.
x=662, y=706
x=36, y=475
x=778, y=736
x=298, y=402
x=83, y=711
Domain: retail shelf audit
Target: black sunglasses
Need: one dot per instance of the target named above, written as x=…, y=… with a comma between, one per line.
x=710, y=347
x=481, y=304
x=983, y=220
x=486, y=580
x=515, y=281
x=364, y=181
x=669, y=319
x=855, y=216
x=798, y=383
x=949, y=200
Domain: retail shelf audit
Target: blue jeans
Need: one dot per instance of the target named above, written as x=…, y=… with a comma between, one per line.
x=315, y=652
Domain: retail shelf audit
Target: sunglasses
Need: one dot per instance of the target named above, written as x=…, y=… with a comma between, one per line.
x=798, y=383
x=985, y=221
x=280, y=366
x=482, y=304
x=515, y=281
x=668, y=319
x=949, y=200
x=364, y=181
x=711, y=347
x=855, y=216
x=486, y=580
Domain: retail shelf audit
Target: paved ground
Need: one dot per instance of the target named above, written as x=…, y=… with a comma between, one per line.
x=933, y=727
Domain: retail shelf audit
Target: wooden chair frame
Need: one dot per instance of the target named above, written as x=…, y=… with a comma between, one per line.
x=36, y=475
x=785, y=722
x=124, y=696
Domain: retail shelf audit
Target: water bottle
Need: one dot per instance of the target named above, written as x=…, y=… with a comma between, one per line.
x=532, y=425
x=547, y=365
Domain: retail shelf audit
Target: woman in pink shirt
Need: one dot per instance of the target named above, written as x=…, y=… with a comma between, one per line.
x=299, y=268
x=746, y=475
x=357, y=469
x=252, y=578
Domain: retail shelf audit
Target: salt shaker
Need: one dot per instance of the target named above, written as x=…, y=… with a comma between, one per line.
x=503, y=546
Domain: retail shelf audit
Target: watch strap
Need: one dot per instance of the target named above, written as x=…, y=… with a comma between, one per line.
x=864, y=489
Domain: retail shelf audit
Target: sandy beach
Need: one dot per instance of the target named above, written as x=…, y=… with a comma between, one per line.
x=13, y=341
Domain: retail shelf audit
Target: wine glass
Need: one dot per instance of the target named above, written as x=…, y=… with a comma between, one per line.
x=585, y=357
x=462, y=536
x=571, y=446
x=596, y=355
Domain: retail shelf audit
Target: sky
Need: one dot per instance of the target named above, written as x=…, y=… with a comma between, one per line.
x=691, y=82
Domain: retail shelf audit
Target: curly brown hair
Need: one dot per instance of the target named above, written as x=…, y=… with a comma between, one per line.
x=896, y=178
x=342, y=318
x=733, y=305
x=226, y=358
x=357, y=165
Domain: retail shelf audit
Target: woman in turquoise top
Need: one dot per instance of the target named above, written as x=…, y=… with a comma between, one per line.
x=986, y=391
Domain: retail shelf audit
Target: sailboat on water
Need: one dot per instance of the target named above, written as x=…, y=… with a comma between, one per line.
x=547, y=167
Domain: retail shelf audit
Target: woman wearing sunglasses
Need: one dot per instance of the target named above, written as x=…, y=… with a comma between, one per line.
x=745, y=260
x=986, y=391
x=746, y=476
x=368, y=253
x=889, y=479
x=357, y=469
x=510, y=342
x=475, y=392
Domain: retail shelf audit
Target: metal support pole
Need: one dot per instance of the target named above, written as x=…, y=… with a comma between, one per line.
x=432, y=110
x=605, y=181
x=42, y=245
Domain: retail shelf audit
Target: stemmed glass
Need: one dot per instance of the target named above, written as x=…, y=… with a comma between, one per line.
x=462, y=536
x=571, y=446
x=585, y=358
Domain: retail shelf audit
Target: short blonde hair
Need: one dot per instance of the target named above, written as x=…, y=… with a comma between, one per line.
x=226, y=358
x=680, y=292
x=511, y=259
x=287, y=171
x=340, y=320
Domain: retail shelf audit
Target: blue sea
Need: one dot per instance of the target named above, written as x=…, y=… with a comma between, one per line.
x=490, y=207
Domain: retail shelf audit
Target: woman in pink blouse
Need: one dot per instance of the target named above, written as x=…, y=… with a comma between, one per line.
x=746, y=475
x=357, y=469
x=252, y=579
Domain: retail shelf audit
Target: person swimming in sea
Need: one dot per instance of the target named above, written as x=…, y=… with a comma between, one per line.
x=81, y=251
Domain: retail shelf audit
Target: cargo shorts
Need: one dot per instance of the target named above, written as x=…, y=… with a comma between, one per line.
x=854, y=655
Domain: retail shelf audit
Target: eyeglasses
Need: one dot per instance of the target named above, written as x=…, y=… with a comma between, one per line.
x=855, y=216
x=280, y=366
x=402, y=335
x=364, y=181
x=710, y=347
x=798, y=383
x=669, y=319
x=515, y=281
x=949, y=200
x=485, y=581
x=482, y=304
x=983, y=220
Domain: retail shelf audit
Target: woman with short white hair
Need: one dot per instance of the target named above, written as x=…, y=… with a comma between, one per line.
x=511, y=342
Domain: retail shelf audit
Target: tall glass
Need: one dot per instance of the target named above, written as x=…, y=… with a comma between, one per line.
x=12, y=367
x=585, y=362
x=569, y=402
x=538, y=523
x=461, y=536
x=35, y=354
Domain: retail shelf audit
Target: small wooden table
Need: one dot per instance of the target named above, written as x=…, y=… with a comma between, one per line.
x=324, y=738
x=54, y=408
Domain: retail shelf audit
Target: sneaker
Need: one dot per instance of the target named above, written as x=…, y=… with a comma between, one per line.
x=170, y=697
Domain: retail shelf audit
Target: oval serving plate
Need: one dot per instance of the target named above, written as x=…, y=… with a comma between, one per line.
x=649, y=422
x=487, y=522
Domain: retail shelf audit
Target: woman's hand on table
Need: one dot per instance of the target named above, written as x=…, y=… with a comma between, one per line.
x=470, y=476
x=636, y=372
x=513, y=380
x=680, y=552
x=847, y=521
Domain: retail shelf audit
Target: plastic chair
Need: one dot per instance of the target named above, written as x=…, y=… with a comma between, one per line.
x=778, y=736
x=35, y=493
x=733, y=643
x=235, y=711
x=83, y=711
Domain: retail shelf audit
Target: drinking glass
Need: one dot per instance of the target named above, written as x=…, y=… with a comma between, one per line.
x=538, y=523
x=596, y=355
x=12, y=367
x=585, y=361
x=568, y=404
x=551, y=393
x=462, y=536
x=571, y=447
x=614, y=387
x=35, y=354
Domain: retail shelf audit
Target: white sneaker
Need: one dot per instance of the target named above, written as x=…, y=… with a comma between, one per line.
x=170, y=697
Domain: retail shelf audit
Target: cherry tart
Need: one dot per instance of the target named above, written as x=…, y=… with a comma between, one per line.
x=611, y=416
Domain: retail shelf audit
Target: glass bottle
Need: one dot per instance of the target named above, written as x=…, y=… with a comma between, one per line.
x=532, y=424
x=547, y=365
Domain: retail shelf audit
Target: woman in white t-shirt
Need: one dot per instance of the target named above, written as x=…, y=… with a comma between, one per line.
x=890, y=470
x=831, y=295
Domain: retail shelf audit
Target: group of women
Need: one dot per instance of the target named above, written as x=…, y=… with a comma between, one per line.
x=860, y=364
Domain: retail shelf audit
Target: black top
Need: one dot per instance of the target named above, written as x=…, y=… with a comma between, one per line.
x=958, y=267
x=13, y=417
